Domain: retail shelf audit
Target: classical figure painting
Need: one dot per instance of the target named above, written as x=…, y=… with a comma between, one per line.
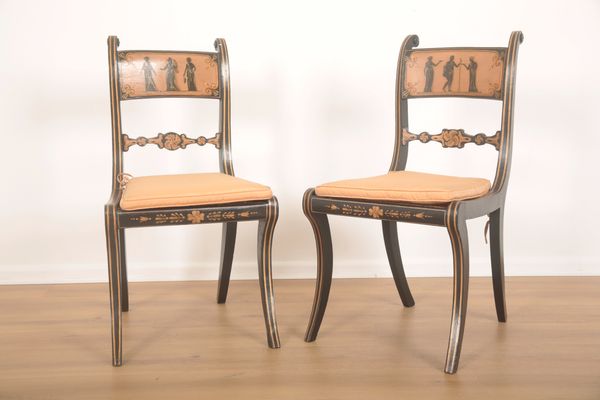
x=454, y=72
x=449, y=73
x=149, y=75
x=155, y=74
x=171, y=68
x=429, y=71
x=472, y=67
x=189, y=75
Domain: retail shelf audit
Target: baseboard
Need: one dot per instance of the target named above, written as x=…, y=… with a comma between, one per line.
x=88, y=273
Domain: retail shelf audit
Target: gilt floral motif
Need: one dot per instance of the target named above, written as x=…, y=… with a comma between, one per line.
x=172, y=141
x=211, y=89
x=452, y=138
x=375, y=212
x=195, y=217
x=211, y=62
x=127, y=92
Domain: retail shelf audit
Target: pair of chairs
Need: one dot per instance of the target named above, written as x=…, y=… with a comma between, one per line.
x=398, y=196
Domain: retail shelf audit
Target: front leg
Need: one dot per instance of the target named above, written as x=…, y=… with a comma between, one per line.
x=265, y=244
x=457, y=229
x=320, y=227
x=114, y=282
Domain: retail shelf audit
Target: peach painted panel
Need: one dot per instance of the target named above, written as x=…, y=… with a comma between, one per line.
x=155, y=74
x=454, y=72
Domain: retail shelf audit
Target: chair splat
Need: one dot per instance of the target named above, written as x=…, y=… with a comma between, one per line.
x=170, y=141
x=452, y=138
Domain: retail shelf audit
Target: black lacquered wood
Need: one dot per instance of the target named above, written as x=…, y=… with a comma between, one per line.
x=193, y=215
x=117, y=219
x=227, y=250
x=320, y=227
x=266, y=228
x=114, y=284
x=124, y=280
x=497, y=257
x=420, y=214
x=110, y=209
x=451, y=215
x=392, y=248
x=457, y=230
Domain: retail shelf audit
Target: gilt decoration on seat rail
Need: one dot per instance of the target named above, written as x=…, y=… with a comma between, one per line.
x=376, y=212
x=193, y=217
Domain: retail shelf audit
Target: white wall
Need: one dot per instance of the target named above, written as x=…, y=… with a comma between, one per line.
x=313, y=101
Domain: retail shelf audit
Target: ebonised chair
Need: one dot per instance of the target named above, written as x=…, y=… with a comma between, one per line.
x=404, y=196
x=181, y=199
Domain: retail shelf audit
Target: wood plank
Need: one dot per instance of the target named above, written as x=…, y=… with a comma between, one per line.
x=178, y=343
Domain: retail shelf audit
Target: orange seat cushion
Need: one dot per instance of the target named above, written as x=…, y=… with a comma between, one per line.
x=162, y=191
x=407, y=186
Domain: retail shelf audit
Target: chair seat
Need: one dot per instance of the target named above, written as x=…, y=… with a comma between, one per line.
x=163, y=191
x=407, y=186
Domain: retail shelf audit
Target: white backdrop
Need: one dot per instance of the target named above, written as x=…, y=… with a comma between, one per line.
x=312, y=101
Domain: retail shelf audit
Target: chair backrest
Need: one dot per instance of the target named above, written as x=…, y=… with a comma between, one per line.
x=151, y=74
x=473, y=72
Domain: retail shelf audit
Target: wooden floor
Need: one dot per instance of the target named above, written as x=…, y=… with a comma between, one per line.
x=179, y=344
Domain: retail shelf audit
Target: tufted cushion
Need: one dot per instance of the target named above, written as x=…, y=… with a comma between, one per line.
x=407, y=186
x=162, y=191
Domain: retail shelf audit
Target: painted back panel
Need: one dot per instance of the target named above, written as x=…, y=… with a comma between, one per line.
x=144, y=74
x=463, y=72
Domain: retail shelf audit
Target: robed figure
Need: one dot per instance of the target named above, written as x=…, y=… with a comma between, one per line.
x=472, y=67
x=171, y=68
x=148, y=78
x=429, y=74
x=189, y=75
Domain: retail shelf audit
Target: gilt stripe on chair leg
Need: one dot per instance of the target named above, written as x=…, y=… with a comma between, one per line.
x=320, y=227
x=114, y=277
x=457, y=229
x=265, y=244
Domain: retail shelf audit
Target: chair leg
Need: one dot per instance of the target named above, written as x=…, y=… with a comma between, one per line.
x=114, y=278
x=392, y=248
x=124, y=281
x=457, y=228
x=227, y=248
x=265, y=244
x=497, y=256
x=320, y=226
